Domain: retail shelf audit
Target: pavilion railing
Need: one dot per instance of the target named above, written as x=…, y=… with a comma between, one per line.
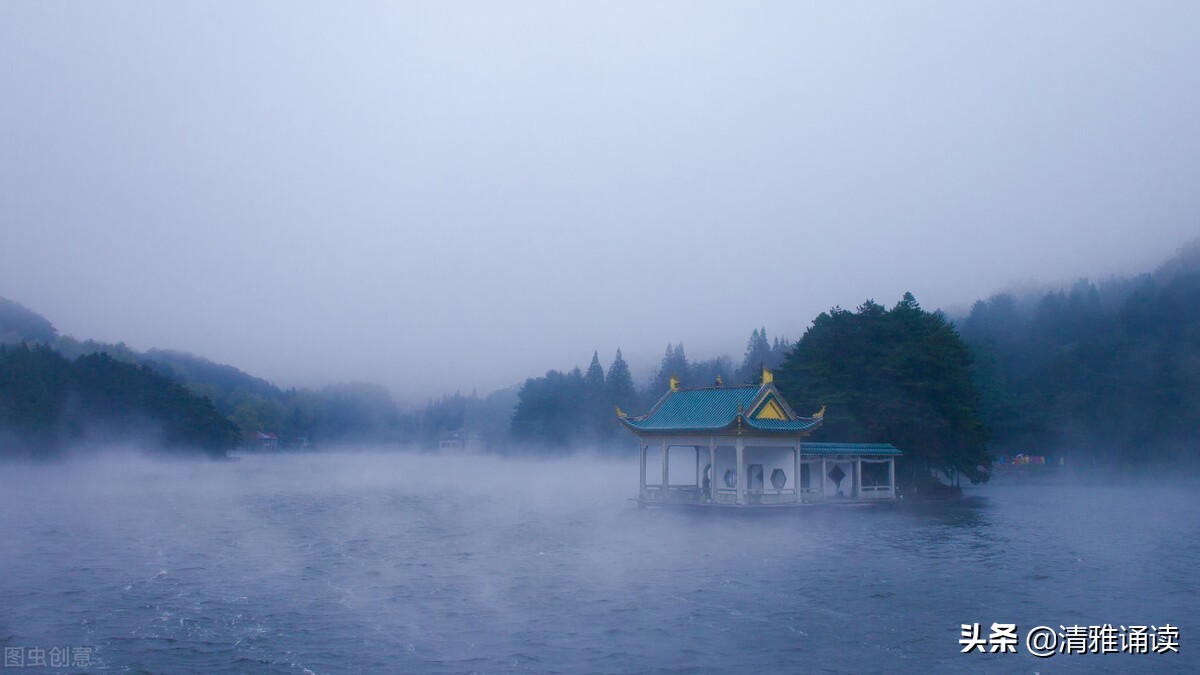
x=876, y=492
x=679, y=494
x=771, y=496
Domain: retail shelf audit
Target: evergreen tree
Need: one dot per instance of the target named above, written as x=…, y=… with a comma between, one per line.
x=593, y=381
x=619, y=384
x=705, y=373
x=598, y=408
x=674, y=363
x=549, y=410
x=779, y=351
x=758, y=351
x=902, y=376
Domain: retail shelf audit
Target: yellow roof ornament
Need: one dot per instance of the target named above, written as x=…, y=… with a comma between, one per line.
x=620, y=413
x=674, y=383
x=819, y=413
x=768, y=378
x=720, y=382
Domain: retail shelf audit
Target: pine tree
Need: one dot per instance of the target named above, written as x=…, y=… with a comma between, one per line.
x=598, y=408
x=619, y=384
x=593, y=381
x=674, y=363
x=779, y=351
x=757, y=356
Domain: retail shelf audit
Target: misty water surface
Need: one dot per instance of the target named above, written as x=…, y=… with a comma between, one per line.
x=376, y=561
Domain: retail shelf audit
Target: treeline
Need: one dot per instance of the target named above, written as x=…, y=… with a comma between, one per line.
x=1103, y=373
x=47, y=402
x=901, y=376
x=263, y=414
x=341, y=413
x=574, y=408
x=266, y=414
x=1100, y=372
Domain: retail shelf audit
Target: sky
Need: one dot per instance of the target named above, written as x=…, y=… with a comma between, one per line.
x=443, y=196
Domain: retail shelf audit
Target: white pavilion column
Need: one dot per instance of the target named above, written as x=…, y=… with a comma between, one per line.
x=666, y=463
x=892, y=475
x=858, y=478
x=642, y=473
x=712, y=472
x=796, y=469
x=741, y=470
x=822, y=478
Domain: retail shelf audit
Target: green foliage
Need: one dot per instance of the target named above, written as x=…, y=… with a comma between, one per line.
x=334, y=414
x=550, y=409
x=34, y=384
x=71, y=349
x=758, y=349
x=593, y=380
x=900, y=376
x=760, y=353
x=598, y=410
x=705, y=373
x=562, y=409
x=674, y=362
x=619, y=384
x=47, y=401
x=1096, y=373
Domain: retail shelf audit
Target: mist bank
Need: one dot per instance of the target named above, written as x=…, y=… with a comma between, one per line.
x=1098, y=373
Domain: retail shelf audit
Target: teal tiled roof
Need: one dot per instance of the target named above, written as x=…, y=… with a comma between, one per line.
x=878, y=449
x=714, y=409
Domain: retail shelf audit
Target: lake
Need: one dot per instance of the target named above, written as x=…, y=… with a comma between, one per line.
x=374, y=561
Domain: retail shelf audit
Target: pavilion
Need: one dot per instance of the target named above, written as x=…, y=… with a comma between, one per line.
x=745, y=446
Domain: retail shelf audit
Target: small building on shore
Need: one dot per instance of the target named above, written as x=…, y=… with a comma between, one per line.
x=461, y=441
x=745, y=446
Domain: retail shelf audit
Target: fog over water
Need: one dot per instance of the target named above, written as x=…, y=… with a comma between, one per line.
x=371, y=560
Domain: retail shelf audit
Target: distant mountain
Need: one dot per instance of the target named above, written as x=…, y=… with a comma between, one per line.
x=264, y=413
x=20, y=324
x=224, y=384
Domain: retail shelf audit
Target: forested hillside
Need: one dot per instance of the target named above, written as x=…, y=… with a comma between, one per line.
x=1100, y=372
x=48, y=402
x=352, y=412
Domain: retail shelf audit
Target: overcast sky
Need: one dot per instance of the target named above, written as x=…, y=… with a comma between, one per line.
x=442, y=196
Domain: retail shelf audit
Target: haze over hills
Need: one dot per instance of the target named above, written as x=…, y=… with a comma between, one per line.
x=1109, y=366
